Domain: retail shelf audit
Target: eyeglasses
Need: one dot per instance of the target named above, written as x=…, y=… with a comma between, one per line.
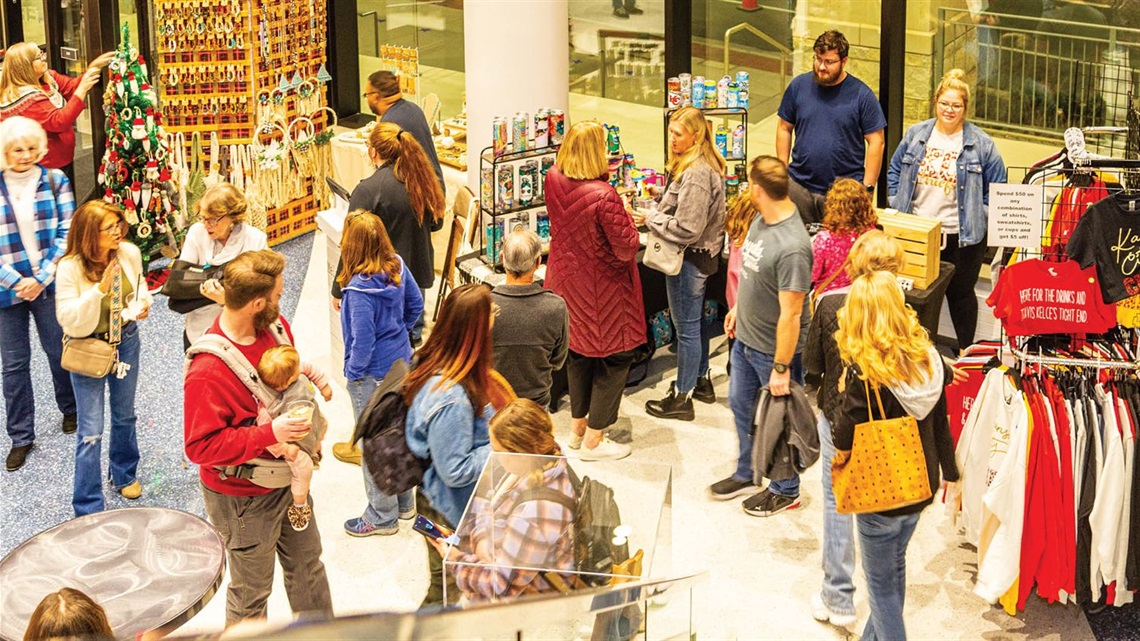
x=211, y=222
x=950, y=106
x=114, y=229
x=42, y=55
x=369, y=93
x=827, y=63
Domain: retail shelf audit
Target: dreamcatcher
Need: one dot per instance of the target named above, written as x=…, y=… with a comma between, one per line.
x=322, y=156
x=270, y=163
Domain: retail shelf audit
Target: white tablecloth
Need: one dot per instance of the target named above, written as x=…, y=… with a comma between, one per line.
x=351, y=165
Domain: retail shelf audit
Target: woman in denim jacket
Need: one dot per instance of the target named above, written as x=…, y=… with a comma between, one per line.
x=942, y=169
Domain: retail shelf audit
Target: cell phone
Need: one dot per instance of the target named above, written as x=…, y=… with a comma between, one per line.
x=430, y=529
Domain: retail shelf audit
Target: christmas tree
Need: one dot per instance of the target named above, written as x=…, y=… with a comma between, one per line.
x=135, y=171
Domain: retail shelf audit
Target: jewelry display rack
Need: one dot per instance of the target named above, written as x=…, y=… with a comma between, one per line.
x=251, y=73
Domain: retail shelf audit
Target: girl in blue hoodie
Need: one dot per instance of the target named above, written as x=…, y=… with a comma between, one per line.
x=380, y=305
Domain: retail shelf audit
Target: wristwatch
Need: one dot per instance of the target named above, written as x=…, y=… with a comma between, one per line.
x=870, y=188
x=781, y=368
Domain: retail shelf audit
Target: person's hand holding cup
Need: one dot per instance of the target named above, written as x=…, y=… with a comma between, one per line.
x=301, y=411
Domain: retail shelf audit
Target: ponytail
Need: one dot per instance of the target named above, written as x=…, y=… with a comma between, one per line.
x=411, y=166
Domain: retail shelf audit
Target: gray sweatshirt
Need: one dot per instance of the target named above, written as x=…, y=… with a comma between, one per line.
x=691, y=211
x=531, y=338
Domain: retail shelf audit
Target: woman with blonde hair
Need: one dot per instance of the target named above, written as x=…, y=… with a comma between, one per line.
x=68, y=614
x=593, y=266
x=221, y=233
x=36, y=204
x=690, y=213
x=847, y=213
x=942, y=170
x=29, y=88
x=449, y=396
x=406, y=195
x=101, y=293
x=381, y=304
x=873, y=251
x=890, y=356
x=517, y=525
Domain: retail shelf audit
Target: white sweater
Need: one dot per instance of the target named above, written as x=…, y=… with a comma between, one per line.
x=1109, y=503
x=77, y=300
x=200, y=249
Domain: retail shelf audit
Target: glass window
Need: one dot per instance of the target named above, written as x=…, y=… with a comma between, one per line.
x=34, y=22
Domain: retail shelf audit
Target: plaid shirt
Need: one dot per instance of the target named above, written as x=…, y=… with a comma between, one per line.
x=53, y=220
x=524, y=537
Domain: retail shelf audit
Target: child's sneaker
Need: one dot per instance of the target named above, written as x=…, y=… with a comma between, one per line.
x=299, y=516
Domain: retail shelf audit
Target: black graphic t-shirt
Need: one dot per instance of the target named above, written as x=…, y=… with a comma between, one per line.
x=1108, y=236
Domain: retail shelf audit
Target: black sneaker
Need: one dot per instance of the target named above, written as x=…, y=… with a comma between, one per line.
x=17, y=456
x=634, y=10
x=672, y=406
x=731, y=488
x=70, y=423
x=704, y=391
x=767, y=504
x=621, y=12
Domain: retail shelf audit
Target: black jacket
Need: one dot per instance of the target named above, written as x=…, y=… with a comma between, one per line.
x=821, y=353
x=787, y=441
x=933, y=430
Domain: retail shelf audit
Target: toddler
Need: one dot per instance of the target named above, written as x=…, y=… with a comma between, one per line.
x=847, y=213
x=281, y=368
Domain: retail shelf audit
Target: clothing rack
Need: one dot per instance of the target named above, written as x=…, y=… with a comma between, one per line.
x=1097, y=363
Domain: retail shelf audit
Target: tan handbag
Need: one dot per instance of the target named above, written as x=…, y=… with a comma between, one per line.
x=88, y=356
x=885, y=469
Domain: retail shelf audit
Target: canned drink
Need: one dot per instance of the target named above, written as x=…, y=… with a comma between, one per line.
x=628, y=166
x=673, y=84
x=731, y=186
x=528, y=183
x=686, y=89
x=519, y=131
x=505, y=187
x=499, y=136
x=487, y=187
x=738, y=142
x=557, y=126
x=494, y=243
x=673, y=99
x=698, y=92
x=613, y=140
x=742, y=101
x=722, y=92
x=710, y=94
x=543, y=224
x=615, y=165
x=722, y=140
x=733, y=96
x=742, y=80
x=542, y=129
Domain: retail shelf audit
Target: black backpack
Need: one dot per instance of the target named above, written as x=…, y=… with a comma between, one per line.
x=596, y=514
x=381, y=426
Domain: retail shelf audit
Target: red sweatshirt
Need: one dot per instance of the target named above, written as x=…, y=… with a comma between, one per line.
x=220, y=416
x=59, y=123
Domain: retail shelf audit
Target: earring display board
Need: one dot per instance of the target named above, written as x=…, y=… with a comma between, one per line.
x=405, y=63
x=250, y=76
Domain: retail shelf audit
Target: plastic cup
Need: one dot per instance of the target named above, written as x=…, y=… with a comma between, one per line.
x=302, y=410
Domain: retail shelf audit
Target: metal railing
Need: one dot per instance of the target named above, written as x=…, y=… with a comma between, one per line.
x=1035, y=77
x=781, y=49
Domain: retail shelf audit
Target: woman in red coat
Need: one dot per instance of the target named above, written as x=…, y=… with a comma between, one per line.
x=28, y=88
x=593, y=266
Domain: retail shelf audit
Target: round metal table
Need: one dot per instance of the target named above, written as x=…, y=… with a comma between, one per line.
x=148, y=567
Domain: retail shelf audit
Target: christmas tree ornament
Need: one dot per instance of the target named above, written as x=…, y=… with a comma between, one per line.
x=138, y=128
x=132, y=83
x=117, y=79
x=152, y=171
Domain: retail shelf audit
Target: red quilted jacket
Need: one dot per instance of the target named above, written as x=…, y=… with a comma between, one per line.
x=593, y=265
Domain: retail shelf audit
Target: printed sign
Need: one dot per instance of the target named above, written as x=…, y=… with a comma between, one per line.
x=1015, y=215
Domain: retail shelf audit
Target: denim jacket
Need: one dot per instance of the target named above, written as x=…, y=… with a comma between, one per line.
x=979, y=164
x=442, y=424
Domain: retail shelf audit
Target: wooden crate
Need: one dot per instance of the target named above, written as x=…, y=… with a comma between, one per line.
x=921, y=238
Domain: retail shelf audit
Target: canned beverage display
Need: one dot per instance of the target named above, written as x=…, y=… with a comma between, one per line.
x=615, y=165
x=543, y=224
x=721, y=138
x=710, y=94
x=494, y=244
x=528, y=183
x=505, y=187
x=519, y=129
x=742, y=80
x=500, y=139
x=557, y=126
x=686, y=89
x=487, y=187
x=613, y=140
x=738, y=142
x=699, y=92
x=673, y=99
x=733, y=100
x=542, y=129
x=722, y=92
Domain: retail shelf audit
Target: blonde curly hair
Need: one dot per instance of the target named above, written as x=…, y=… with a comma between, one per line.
x=848, y=208
x=880, y=334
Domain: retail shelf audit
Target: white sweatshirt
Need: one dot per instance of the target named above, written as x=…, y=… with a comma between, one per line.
x=1106, y=512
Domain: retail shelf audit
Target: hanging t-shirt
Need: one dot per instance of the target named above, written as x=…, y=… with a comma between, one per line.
x=1108, y=236
x=936, y=188
x=1128, y=311
x=1039, y=297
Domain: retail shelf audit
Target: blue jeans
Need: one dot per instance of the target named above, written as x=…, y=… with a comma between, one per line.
x=686, y=292
x=838, y=591
x=16, y=353
x=417, y=329
x=883, y=541
x=87, y=496
x=383, y=510
x=750, y=372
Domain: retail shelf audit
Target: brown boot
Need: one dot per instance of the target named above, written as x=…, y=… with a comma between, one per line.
x=347, y=452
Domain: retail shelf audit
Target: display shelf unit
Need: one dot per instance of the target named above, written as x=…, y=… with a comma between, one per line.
x=726, y=115
x=495, y=215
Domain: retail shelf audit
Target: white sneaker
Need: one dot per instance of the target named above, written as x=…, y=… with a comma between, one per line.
x=575, y=441
x=820, y=612
x=606, y=450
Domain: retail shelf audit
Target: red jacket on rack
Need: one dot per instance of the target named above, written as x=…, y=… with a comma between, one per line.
x=593, y=265
x=58, y=122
